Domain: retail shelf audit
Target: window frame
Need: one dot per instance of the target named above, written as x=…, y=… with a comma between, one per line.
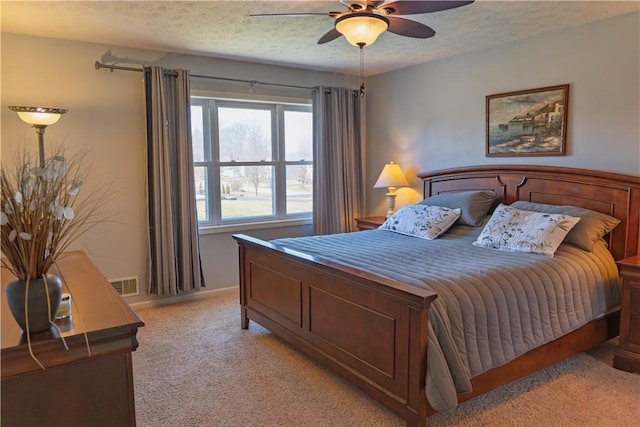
x=212, y=164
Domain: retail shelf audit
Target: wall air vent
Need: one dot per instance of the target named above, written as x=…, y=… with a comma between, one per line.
x=126, y=286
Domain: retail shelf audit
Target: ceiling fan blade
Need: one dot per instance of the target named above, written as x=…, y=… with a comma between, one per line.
x=408, y=28
x=416, y=7
x=298, y=14
x=329, y=36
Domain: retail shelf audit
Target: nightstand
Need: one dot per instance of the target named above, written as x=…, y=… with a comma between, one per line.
x=627, y=356
x=369, y=223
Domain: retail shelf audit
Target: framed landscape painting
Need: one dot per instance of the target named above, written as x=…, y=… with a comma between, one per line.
x=528, y=122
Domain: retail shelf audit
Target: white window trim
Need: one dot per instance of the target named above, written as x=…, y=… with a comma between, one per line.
x=249, y=97
x=248, y=226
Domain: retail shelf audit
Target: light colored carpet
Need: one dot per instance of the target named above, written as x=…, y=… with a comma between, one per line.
x=196, y=367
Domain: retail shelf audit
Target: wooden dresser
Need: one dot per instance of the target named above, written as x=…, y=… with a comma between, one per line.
x=627, y=355
x=76, y=388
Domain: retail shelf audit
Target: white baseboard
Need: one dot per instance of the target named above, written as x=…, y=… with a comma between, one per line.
x=183, y=298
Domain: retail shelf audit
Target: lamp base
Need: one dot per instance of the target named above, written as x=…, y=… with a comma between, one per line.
x=391, y=203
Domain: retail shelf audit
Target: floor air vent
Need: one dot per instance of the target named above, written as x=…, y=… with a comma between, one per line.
x=126, y=286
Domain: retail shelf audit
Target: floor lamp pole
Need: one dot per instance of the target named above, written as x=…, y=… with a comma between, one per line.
x=40, y=131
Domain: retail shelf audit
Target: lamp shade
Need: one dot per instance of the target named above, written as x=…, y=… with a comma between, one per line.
x=38, y=116
x=362, y=29
x=391, y=176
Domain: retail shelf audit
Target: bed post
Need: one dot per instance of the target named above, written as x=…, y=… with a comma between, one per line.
x=418, y=331
x=244, y=318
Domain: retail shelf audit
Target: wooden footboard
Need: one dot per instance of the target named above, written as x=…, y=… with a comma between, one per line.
x=370, y=330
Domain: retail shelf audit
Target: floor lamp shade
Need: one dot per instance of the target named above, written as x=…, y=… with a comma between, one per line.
x=39, y=118
x=391, y=177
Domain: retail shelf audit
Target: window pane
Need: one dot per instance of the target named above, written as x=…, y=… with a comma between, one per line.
x=246, y=191
x=200, y=179
x=299, y=188
x=298, y=135
x=245, y=134
x=197, y=133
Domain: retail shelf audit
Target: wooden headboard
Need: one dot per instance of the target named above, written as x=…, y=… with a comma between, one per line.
x=614, y=194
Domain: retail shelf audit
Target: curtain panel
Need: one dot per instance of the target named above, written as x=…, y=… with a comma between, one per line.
x=173, y=228
x=338, y=194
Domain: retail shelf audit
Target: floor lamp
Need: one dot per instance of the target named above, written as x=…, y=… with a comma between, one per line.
x=391, y=177
x=39, y=118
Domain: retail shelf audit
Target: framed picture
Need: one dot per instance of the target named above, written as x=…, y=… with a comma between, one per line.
x=528, y=122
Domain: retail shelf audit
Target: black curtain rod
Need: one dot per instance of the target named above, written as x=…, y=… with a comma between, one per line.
x=100, y=65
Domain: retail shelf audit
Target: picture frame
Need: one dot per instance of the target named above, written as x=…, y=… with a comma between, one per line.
x=530, y=122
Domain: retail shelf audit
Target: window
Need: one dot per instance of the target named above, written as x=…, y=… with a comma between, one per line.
x=253, y=161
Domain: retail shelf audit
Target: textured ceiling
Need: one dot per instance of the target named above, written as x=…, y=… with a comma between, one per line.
x=225, y=29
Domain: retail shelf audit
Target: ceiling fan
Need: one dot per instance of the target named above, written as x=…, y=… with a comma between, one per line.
x=365, y=20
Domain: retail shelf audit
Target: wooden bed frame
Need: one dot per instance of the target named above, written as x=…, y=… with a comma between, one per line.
x=372, y=331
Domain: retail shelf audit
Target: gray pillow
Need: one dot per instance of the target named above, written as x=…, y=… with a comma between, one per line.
x=474, y=204
x=591, y=227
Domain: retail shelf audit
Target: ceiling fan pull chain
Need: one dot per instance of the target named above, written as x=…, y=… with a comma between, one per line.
x=362, y=71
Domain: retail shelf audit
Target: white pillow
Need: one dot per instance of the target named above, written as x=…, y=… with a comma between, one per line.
x=515, y=230
x=426, y=222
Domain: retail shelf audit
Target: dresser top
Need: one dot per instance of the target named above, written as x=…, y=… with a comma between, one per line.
x=95, y=305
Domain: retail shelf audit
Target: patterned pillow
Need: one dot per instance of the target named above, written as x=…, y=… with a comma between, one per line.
x=515, y=230
x=591, y=228
x=426, y=222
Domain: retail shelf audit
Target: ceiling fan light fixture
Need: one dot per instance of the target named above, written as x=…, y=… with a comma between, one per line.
x=362, y=29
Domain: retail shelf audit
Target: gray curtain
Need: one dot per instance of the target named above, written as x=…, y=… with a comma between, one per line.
x=173, y=227
x=338, y=195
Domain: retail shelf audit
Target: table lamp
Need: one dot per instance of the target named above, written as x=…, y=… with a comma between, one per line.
x=39, y=118
x=391, y=177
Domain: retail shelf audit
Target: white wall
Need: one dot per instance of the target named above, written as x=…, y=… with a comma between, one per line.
x=106, y=114
x=432, y=116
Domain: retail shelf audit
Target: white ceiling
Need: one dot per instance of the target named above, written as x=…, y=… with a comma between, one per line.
x=225, y=29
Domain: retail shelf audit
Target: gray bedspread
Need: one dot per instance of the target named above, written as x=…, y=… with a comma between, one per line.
x=492, y=306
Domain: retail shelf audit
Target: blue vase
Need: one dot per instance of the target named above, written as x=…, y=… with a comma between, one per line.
x=41, y=296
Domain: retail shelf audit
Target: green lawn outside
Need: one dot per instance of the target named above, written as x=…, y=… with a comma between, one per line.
x=245, y=202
